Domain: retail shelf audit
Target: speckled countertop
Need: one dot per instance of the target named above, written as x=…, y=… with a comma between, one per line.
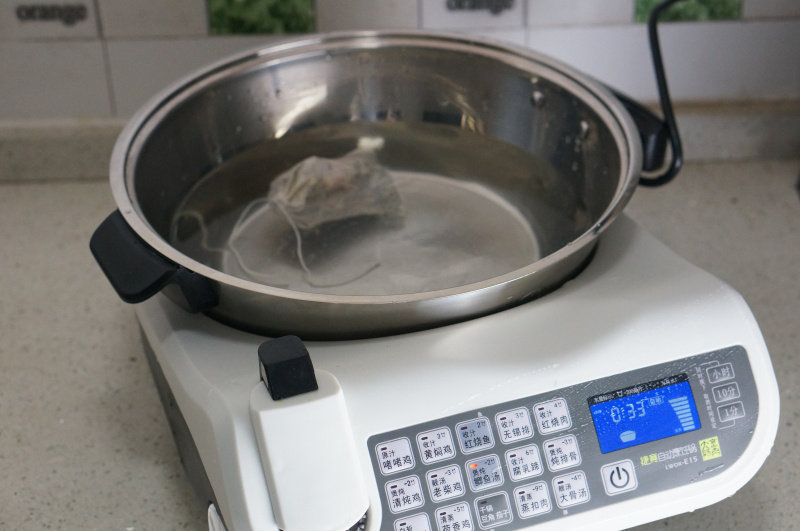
x=84, y=443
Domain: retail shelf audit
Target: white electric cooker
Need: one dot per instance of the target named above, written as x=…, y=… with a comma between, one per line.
x=638, y=390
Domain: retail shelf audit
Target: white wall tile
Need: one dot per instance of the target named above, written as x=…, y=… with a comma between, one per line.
x=334, y=15
x=142, y=68
x=704, y=61
x=51, y=79
x=617, y=55
x=47, y=20
x=145, y=18
x=770, y=8
x=446, y=14
x=579, y=12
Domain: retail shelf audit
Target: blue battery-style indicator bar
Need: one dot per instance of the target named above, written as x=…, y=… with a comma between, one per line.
x=681, y=407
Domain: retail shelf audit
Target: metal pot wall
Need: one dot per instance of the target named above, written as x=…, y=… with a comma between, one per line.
x=553, y=146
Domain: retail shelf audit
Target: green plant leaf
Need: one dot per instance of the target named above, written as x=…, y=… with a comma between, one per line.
x=694, y=10
x=260, y=16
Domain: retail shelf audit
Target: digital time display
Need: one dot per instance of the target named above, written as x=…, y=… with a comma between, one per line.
x=644, y=412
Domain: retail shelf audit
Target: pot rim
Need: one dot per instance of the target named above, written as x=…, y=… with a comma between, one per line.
x=589, y=91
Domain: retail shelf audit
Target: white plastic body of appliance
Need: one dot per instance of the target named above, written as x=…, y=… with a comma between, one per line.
x=639, y=325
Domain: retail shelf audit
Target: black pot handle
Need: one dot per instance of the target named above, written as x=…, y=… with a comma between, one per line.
x=137, y=272
x=656, y=133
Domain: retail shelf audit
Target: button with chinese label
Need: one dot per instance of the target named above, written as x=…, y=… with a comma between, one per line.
x=436, y=445
x=493, y=510
x=454, y=517
x=524, y=462
x=475, y=435
x=415, y=522
x=552, y=416
x=514, y=425
x=619, y=477
x=404, y=494
x=394, y=456
x=484, y=473
x=571, y=489
x=720, y=373
x=725, y=392
x=561, y=452
x=532, y=500
x=730, y=412
x=445, y=483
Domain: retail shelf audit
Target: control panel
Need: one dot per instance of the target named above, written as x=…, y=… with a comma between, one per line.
x=512, y=465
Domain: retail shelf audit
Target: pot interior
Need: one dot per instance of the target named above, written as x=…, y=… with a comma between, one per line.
x=478, y=164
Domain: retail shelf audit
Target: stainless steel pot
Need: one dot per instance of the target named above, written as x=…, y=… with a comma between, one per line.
x=555, y=147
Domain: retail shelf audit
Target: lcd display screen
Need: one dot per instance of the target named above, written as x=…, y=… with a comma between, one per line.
x=644, y=412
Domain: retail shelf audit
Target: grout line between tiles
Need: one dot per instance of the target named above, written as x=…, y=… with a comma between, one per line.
x=112, y=97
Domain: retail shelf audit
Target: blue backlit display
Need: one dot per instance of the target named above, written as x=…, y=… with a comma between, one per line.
x=643, y=413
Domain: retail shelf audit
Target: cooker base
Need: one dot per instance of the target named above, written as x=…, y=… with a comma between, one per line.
x=639, y=332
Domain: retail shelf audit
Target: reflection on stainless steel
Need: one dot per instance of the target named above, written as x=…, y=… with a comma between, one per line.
x=304, y=101
x=554, y=147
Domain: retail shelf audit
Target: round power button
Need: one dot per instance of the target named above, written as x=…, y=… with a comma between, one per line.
x=619, y=477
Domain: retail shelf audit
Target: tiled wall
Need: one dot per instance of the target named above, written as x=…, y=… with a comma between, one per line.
x=104, y=58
